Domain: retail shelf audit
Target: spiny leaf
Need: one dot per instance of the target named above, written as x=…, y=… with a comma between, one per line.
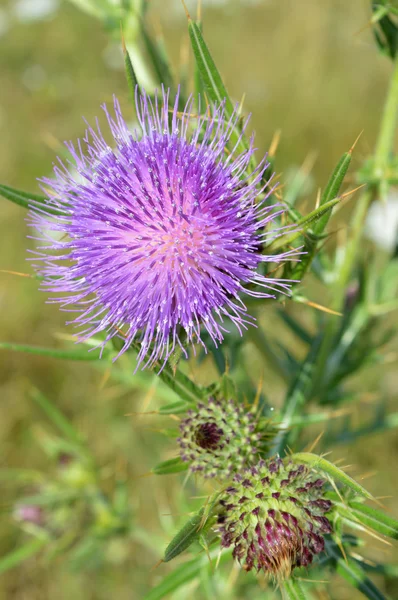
x=213, y=82
x=375, y=519
x=321, y=464
x=301, y=226
x=28, y=200
x=167, y=467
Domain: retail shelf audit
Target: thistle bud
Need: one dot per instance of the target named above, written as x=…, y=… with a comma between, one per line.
x=273, y=515
x=221, y=437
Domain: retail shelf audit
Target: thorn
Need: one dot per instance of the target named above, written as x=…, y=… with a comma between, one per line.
x=342, y=550
x=352, y=191
x=104, y=379
x=157, y=564
x=186, y=11
x=318, y=199
x=199, y=11
x=315, y=442
x=124, y=48
x=350, y=151
x=323, y=308
x=17, y=273
x=140, y=414
x=274, y=143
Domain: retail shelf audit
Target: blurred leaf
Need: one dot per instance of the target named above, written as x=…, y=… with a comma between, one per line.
x=167, y=467
x=296, y=327
x=294, y=590
x=353, y=573
x=21, y=554
x=56, y=416
x=385, y=28
x=296, y=398
x=28, y=200
x=321, y=464
x=184, y=574
x=53, y=352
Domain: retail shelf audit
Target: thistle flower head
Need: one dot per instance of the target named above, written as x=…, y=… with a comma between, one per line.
x=273, y=515
x=221, y=437
x=160, y=234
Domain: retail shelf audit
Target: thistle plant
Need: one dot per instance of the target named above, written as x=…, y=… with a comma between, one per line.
x=166, y=238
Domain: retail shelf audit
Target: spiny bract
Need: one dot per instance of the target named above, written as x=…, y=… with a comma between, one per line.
x=221, y=437
x=273, y=515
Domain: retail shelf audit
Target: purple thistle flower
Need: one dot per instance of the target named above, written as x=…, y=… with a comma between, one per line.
x=161, y=235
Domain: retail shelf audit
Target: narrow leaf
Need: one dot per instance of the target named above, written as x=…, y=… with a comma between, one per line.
x=53, y=352
x=28, y=200
x=375, y=519
x=353, y=573
x=185, y=537
x=21, y=554
x=175, y=408
x=167, y=467
x=131, y=77
x=184, y=574
x=56, y=416
x=333, y=188
x=301, y=226
x=321, y=464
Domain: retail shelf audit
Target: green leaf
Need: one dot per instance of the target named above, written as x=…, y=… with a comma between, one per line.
x=167, y=467
x=185, y=537
x=296, y=398
x=332, y=189
x=353, y=573
x=212, y=81
x=301, y=226
x=131, y=77
x=184, y=574
x=158, y=57
x=53, y=352
x=375, y=519
x=28, y=200
x=321, y=464
x=56, y=416
x=294, y=590
x=21, y=554
x=175, y=408
x=182, y=385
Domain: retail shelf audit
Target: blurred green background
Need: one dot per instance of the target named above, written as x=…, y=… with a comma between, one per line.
x=306, y=69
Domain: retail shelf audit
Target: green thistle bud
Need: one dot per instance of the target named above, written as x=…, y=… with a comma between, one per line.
x=274, y=516
x=221, y=437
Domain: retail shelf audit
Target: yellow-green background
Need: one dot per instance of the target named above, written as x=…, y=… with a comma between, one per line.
x=306, y=69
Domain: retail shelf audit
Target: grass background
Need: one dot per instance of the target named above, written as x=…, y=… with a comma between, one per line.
x=305, y=69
